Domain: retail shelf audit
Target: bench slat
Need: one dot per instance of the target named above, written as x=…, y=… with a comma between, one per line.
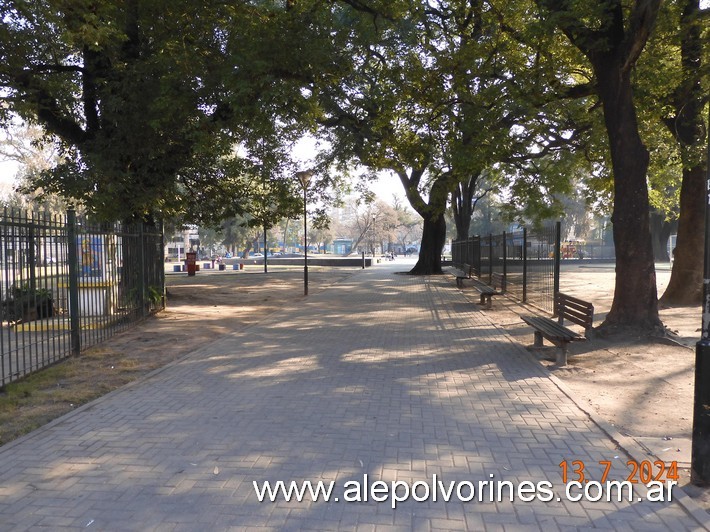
x=577, y=318
x=574, y=300
x=551, y=329
x=465, y=272
x=579, y=311
x=575, y=310
x=566, y=307
x=584, y=308
x=483, y=287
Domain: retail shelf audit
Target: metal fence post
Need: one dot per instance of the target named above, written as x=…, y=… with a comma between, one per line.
x=72, y=256
x=478, y=257
x=266, y=252
x=31, y=250
x=558, y=257
x=141, y=255
x=525, y=264
x=490, y=256
x=161, y=269
x=505, y=255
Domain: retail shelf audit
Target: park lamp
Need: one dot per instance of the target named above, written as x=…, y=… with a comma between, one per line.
x=305, y=179
x=700, y=451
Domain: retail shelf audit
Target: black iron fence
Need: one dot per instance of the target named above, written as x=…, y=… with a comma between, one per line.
x=68, y=283
x=528, y=258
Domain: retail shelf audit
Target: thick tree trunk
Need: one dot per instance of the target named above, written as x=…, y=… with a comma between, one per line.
x=685, y=287
x=635, y=303
x=434, y=230
x=433, y=240
x=613, y=47
x=463, y=211
x=463, y=203
x=686, y=283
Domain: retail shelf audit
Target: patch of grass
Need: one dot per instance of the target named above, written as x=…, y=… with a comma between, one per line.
x=56, y=390
x=45, y=395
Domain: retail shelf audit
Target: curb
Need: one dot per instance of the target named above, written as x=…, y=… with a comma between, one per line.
x=627, y=444
x=632, y=448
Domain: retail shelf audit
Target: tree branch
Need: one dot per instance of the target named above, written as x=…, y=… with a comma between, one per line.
x=643, y=19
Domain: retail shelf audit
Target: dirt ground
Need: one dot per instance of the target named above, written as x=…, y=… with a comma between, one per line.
x=642, y=388
x=199, y=309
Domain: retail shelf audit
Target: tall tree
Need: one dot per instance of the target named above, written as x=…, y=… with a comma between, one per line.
x=379, y=111
x=144, y=96
x=612, y=36
x=686, y=124
x=437, y=96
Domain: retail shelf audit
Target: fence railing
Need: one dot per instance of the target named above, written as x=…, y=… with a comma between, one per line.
x=68, y=284
x=529, y=259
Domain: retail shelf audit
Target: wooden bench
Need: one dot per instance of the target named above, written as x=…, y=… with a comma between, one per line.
x=487, y=291
x=465, y=271
x=566, y=307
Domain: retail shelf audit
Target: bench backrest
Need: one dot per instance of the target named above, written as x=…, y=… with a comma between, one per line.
x=464, y=267
x=574, y=310
x=498, y=281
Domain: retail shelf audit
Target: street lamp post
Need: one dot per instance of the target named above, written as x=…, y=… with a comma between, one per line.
x=374, y=235
x=305, y=178
x=700, y=453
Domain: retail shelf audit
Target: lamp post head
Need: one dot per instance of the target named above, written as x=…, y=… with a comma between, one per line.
x=304, y=177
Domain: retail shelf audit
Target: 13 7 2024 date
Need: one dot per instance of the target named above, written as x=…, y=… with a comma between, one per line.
x=640, y=472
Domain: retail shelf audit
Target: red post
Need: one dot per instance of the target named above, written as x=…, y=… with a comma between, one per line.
x=191, y=262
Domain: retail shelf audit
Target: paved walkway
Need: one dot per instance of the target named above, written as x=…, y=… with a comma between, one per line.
x=389, y=376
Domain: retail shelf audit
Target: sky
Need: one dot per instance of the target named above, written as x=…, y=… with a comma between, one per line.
x=7, y=177
x=385, y=186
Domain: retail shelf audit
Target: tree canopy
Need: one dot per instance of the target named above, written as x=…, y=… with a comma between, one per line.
x=193, y=107
x=144, y=98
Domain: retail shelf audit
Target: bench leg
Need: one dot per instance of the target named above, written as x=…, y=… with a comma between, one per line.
x=561, y=355
x=486, y=300
x=459, y=282
x=538, y=339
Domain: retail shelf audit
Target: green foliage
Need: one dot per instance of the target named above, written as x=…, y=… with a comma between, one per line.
x=24, y=301
x=154, y=294
x=189, y=110
x=146, y=98
x=671, y=104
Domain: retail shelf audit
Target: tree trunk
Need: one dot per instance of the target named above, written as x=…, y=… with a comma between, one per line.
x=686, y=283
x=635, y=303
x=434, y=230
x=433, y=240
x=463, y=204
x=685, y=287
x=462, y=211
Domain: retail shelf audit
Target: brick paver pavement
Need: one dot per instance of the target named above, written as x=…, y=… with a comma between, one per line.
x=390, y=376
